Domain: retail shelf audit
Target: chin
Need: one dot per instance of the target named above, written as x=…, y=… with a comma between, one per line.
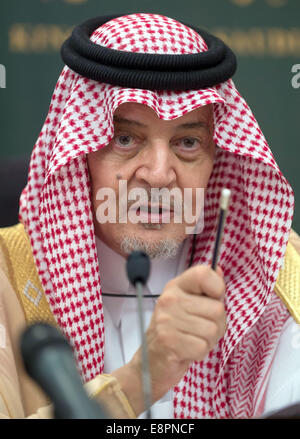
x=155, y=239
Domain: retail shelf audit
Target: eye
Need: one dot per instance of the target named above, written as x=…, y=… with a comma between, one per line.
x=124, y=140
x=188, y=143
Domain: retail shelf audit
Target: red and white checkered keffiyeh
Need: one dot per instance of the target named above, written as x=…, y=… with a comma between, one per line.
x=55, y=208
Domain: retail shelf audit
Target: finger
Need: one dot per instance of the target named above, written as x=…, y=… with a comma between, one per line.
x=191, y=348
x=209, y=330
x=203, y=306
x=175, y=316
x=180, y=304
x=200, y=279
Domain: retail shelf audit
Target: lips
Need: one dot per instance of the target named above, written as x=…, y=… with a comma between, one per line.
x=156, y=209
x=151, y=213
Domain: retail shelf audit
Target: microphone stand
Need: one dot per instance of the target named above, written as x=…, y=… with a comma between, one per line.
x=145, y=363
x=138, y=269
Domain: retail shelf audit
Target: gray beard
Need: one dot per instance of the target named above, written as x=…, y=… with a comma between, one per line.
x=164, y=249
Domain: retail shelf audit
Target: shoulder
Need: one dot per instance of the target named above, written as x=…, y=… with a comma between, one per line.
x=288, y=282
x=19, y=265
x=14, y=246
x=8, y=236
x=12, y=316
x=294, y=239
x=12, y=239
x=12, y=235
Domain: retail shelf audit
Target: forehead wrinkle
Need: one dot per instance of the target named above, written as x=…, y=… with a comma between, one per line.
x=122, y=120
x=192, y=125
x=186, y=125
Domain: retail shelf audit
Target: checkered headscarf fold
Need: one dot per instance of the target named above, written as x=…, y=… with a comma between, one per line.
x=55, y=208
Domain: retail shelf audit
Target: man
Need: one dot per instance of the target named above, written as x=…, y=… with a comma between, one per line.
x=213, y=337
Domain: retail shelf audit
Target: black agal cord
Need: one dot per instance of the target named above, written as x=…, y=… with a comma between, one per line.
x=147, y=71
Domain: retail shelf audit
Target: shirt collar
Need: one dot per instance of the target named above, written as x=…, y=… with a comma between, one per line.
x=112, y=267
x=113, y=277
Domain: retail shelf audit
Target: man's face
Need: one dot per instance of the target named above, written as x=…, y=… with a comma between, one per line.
x=149, y=153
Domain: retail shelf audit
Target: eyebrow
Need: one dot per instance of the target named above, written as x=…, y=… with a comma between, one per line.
x=188, y=125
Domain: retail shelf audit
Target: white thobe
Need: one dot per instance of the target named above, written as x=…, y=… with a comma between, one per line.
x=122, y=329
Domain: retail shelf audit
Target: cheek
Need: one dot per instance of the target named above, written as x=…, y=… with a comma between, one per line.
x=206, y=173
x=95, y=180
x=102, y=179
x=99, y=172
x=199, y=175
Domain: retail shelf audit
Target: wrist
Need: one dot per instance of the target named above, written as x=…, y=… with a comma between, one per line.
x=130, y=381
x=106, y=390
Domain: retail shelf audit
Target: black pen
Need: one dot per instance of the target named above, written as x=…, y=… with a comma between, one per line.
x=224, y=203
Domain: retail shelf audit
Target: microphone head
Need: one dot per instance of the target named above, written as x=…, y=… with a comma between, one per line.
x=35, y=338
x=138, y=267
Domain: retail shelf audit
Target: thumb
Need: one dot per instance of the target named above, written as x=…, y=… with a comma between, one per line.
x=220, y=271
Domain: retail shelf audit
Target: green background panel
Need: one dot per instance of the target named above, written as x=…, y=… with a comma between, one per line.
x=265, y=35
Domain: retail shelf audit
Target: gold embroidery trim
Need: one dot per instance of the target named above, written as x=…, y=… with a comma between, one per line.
x=23, y=274
x=288, y=282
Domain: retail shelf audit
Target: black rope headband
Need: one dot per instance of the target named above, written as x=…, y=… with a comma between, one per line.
x=143, y=70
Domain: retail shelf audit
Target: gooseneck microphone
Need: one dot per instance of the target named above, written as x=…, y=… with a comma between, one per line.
x=138, y=269
x=48, y=359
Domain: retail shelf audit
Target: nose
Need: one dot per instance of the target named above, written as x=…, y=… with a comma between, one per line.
x=157, y=167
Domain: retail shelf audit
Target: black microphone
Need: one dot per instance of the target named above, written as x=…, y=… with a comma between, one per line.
x=138, y=269
x=49, y=360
